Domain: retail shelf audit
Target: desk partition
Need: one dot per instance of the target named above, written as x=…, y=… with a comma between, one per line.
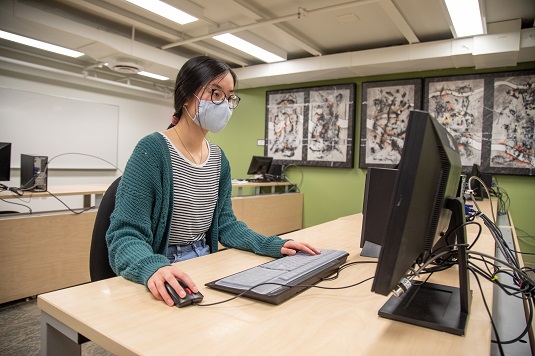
x=50, y=250
x=46, y=251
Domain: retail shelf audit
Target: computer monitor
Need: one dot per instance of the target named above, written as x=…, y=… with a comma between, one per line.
x=5, y=161
x=425, y=211
x=260, y=165
x=378, y=191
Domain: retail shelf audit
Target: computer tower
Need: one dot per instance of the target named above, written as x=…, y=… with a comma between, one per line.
x=378, y=191
x=33, y=173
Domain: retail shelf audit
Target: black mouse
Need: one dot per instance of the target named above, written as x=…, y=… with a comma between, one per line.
x=190, y=298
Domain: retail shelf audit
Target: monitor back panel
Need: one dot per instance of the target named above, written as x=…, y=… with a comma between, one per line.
x=377, y=196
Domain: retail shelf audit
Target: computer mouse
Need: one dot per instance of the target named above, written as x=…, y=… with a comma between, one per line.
x=190, y=298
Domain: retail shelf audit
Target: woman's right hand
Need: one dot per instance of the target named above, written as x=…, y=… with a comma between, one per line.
x=169, y=274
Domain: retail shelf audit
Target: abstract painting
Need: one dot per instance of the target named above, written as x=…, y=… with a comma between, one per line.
x=384, y=115
x=311, y=126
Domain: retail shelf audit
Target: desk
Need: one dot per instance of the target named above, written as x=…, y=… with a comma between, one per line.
x=124, y=317
x=86, y=190
x=258, y=185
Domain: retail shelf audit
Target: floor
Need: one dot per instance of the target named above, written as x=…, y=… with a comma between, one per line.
x=20, y=330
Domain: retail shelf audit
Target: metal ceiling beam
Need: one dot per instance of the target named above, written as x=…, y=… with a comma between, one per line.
x=300, y=13
x=154, y=28
x=298, y=40
x=398, y=19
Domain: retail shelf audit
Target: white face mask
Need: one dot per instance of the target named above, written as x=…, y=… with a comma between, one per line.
x=212, y=117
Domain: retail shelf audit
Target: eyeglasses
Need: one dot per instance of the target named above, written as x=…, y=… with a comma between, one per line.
x=218, y=96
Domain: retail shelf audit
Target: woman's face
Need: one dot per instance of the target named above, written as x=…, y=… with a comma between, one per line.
x=217, y=89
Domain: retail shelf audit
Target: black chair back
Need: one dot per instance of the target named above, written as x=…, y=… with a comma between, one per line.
x=99, y=265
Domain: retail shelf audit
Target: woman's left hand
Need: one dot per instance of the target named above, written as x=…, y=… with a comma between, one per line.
x=292, y=247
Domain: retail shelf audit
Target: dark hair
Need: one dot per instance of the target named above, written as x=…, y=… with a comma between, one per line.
x=194, y=74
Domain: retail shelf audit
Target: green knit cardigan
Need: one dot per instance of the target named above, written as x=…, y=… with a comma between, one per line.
x=139, y=226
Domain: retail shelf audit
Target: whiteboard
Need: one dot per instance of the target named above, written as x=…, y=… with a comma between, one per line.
x=73, y=133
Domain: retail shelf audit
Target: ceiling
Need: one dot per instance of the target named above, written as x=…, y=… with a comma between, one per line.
x=321, y=39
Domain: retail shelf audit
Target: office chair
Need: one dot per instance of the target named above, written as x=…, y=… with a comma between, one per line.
x=99, y=265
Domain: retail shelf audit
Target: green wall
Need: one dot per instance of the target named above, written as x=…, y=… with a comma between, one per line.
x=334, y=192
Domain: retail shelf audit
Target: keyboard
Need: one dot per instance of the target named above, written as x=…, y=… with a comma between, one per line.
x=257, y=180
x=279, y=280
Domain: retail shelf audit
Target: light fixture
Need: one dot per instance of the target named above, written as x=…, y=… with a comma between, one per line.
x=152, y=75
x=248, y=48
x=165, y=10
x=39, y=44
x=466, y=17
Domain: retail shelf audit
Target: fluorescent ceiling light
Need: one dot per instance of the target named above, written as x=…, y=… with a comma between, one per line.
x=41, y=45
x=165, y=10
x=466, y=17
x=248, y=48
x=152, y=75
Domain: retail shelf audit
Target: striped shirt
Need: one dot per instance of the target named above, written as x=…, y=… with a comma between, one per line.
x=195, y=192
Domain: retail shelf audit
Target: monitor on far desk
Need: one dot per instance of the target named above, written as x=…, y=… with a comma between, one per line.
x=259, y=167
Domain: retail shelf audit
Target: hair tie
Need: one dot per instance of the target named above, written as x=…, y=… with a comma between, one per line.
x=175, y=119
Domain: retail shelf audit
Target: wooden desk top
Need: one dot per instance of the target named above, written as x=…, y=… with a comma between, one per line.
x=59, y=190
x=124, y=317
x=86, y=189
x=238, y=184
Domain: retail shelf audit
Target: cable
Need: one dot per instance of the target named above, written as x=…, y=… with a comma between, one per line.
x=523, y=286
x=529, y=300
x=82, y=154
x=344, y=266
x=11, y=202
x=489, y=313
x=525, y=232
x=503, y=199
x=71, y=210
x=297, y=186
x=523, y=253
x=471, y=192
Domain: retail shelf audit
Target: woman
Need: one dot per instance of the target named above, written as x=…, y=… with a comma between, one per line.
x=173, y=202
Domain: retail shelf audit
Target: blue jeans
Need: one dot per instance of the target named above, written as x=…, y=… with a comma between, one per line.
x=176, y=253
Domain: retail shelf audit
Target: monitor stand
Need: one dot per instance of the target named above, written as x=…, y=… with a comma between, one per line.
x=432, y=305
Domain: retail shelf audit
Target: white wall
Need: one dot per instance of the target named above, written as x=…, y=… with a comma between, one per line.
x=139, y=114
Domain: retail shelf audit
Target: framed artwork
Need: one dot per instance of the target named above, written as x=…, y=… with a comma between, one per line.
x=311, y=126
x=512, y=143
x=461, y=104
x=384, y=114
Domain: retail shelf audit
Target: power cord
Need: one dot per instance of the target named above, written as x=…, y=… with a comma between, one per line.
x=297, y=187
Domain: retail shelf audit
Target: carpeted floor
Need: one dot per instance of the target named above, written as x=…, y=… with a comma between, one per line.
x=20, y=330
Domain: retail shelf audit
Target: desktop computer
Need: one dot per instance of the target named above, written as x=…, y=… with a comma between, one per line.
x=33, y=173
x=276, y=173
